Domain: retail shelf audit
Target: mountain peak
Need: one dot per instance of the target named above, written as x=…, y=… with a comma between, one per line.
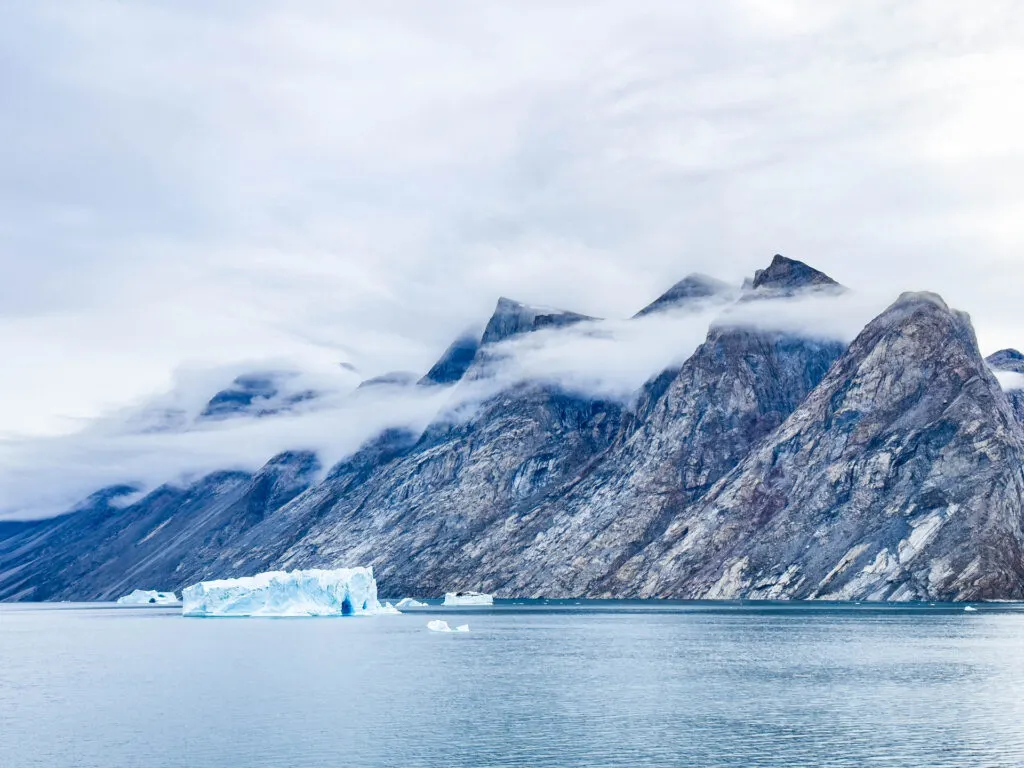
x=786, y=275
x=1006, y=360
x=512, y=318
x=690, y=289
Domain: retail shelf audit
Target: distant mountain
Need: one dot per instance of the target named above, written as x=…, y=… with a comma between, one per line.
x=255, y=394
x=1010, y=361
x=688, y=292
x=768, y=464
x=784, y=277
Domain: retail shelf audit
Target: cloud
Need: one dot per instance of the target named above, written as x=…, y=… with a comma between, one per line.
x=198, y=186
x=1009, y=380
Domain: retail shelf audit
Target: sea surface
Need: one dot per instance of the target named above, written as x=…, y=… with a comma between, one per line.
x=532, y=684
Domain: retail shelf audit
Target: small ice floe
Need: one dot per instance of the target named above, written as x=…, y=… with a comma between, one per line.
x=388, y=610
x=442, y=626
x=970, y=609
x=148, y=597
x=408, y=602
x=467, y=598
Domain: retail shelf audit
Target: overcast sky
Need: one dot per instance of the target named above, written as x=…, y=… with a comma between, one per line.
x=189, y=184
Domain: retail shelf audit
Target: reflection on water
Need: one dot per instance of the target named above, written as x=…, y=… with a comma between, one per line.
x=592, y=684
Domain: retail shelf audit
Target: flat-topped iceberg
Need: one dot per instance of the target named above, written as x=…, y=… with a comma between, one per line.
x=148, y=597
x=339, y=592
x=467, y=598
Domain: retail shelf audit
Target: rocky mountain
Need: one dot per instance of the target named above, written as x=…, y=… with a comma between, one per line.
x=768, y=464
x=688, y=291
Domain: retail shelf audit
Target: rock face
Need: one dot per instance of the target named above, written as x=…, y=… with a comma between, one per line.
x=900, y=477
x=767, y=465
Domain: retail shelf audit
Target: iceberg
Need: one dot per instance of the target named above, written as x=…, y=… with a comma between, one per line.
x=442, y=626
x=970, y=609
x=408, y=602
x=148, y=597
x=388, y=610
x=467, y=598
x=339, y=592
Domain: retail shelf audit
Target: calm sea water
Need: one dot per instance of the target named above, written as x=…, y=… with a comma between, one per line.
x=597, y=684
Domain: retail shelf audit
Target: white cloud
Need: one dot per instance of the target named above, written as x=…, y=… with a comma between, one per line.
x=202, y=185
x=1010, y=380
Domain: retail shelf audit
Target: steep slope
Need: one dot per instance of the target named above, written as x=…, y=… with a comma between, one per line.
x=735, y=390
x=414, y=517
x=400, y=494
x=901, y=477
x=105, y=550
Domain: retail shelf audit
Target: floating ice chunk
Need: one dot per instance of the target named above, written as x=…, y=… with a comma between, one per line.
x=388, y=610
x=340, y=592
x=148, y=597
x=408, y=602
x=442, y=626
x=467, y=598
x=970, y=609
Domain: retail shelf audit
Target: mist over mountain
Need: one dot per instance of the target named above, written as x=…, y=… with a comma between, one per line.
x=787, y=438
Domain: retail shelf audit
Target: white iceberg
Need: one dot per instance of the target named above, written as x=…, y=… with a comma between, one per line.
x=467, y=598
x=339, y=592
x=148, y=597
x=970, y=609
x=442, y=626
x=408, y=602
x=389, y=610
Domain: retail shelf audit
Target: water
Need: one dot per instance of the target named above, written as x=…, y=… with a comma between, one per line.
x=598, y=684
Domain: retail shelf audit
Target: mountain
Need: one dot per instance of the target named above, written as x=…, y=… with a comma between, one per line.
x=900, y=477
x=768, y=464
x=784, y=277
x=512, y=318
x=688, y=292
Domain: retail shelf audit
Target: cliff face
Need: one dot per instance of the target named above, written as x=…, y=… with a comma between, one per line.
x=900, y=477
x=767, y=465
